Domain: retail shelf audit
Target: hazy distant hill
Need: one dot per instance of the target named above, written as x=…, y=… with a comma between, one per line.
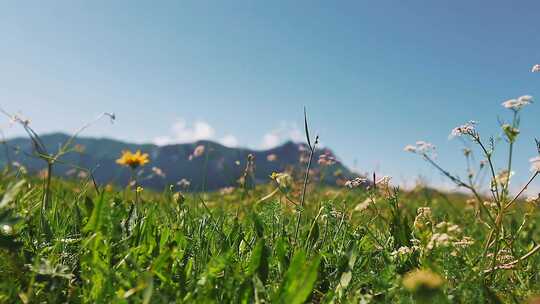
x=220, y=168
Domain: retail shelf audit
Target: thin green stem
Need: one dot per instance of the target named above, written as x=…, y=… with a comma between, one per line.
x=522, y=190
x=303, y=198
x=47, y=189
x=493, y=175
x=459, y=182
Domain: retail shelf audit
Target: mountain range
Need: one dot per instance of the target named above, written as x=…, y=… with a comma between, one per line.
x=216, y=167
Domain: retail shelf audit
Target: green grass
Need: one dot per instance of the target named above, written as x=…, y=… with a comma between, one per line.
x=109, y=247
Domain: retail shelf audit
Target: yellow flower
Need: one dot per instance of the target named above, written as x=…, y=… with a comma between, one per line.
x=133, y=160
x=422, y=280
x=283, y=180
x=139, y=189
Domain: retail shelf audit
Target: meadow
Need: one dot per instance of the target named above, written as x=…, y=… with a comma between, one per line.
x=290, y=240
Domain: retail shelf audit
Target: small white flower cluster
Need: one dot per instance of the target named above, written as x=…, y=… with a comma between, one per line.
x=517, y=104
x=404, y=251
x=466, y=241
x=533, y=199
x=439, y=240
x=226, y=190
x=447, y=234
x=504, y=256
x=421, y=147
x=448, y=227
x=333, y=214
x=465, y=129
x=504, y=177
x=7, y=229
x=535, y=164
x=327, y=159
x=490, y=204
x=356, y=182
x=383, y=185
x=336, y=213
x=184, y=183
x=383, y=181
x=271, y=157
x=197, y=152
x=158, y=172
x=535, y=68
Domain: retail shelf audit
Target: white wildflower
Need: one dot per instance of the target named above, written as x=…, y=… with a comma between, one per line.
x=465, y=129
x=271, y=157
x=424, y=146
x=490, y=204
x=441, y=225
x=184, y=183
x=385, y=180
x=421, y=147
x=356, y=182
x=525, y=99
x=505, y=256
x=158, y=172
x=403, y=250
x=7, y=229
x=410, y=148
x=504, y=177
x=464, y=242
x=448, y=227
x=327, y=159
x=439, y=240
x=82, y=174
x=336, y=214
x=226, y=190
x=453, y=229
x=518, y=103
x=535, y=68
x=199, y=151
x=533, y=198
x=535, y=164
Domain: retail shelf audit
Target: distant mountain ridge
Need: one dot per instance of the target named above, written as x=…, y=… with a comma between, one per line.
x=219, y=167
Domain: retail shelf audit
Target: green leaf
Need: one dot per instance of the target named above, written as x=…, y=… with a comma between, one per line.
x=313, y=234
x=258, y=225
x=259, y=261
x=281, y=254
x=11, y=193
x=149, y=289
x=299, y=279
x=306, y=128
x=95, y=219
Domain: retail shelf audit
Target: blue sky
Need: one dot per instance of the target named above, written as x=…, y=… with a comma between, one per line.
x=374, y=75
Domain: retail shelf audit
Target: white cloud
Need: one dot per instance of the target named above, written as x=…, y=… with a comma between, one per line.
x=162, y=140
x=182, y=132
x=200, y=130
x=229, y=141
x=286, y=131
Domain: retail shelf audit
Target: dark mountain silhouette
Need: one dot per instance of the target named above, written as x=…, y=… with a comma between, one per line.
x=219, y=167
